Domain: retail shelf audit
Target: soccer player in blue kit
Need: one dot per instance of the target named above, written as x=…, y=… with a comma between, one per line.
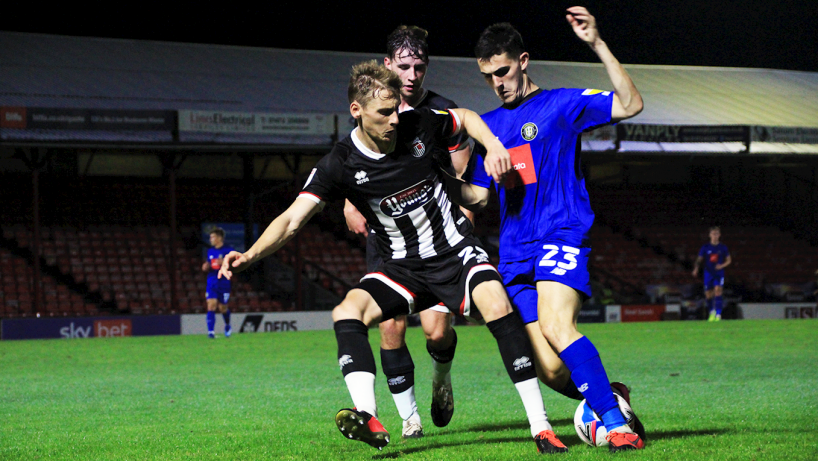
x=218, y=289
x=545, y=209
x=716, y=257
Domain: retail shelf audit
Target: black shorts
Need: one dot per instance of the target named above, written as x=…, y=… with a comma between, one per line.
x=402, y=287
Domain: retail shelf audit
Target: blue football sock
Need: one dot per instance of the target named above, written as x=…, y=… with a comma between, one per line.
x=226, y=317
x=582, y=359
x=710, y=305
x=718, y=303
x=211, y=321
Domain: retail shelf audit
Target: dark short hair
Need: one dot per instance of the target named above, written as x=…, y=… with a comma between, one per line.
x=498, y=39
x=411, y=39
x=368, y=79
x=712, y=228
x=218, y=231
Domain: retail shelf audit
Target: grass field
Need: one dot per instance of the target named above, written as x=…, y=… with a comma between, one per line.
x=735, y=390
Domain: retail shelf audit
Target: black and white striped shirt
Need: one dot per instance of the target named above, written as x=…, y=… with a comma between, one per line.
x=400, y=194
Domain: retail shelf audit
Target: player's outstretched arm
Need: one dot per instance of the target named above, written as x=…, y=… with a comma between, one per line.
x=355, y=220
x=727, y=261
x=696, y=265
x=277, y=234
x=627, y=99
x=498, y=160
x=468, y=196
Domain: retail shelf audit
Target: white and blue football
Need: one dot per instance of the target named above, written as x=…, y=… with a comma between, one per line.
x=590, y=428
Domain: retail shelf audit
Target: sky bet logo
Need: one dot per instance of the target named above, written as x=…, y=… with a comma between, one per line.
x=100, y=329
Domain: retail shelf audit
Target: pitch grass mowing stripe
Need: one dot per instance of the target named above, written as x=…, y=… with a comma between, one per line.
x=741, y=390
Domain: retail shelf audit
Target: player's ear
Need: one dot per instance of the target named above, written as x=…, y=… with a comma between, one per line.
x=387, y=62
x=355, y=110
x=524, y=60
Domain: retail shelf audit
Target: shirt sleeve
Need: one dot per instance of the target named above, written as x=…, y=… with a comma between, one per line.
x=458, y=141
x=324, y=184
x=476, y=172
x=586, y=109
x=445, y=123
x=701, y=251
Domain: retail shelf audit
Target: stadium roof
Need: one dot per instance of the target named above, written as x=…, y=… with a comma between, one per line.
x=94, y=73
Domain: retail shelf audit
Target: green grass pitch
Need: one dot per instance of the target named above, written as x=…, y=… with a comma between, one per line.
x=734, y=390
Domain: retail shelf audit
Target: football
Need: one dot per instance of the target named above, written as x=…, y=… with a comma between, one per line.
x=590, y=428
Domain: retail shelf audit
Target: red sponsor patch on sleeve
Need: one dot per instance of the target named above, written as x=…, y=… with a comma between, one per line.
x=523, y=163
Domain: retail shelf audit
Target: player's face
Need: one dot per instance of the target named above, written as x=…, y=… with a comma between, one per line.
x=715, y=235
x=379, y=118
x=411, y=70
x=506, y=76
x=216, y=240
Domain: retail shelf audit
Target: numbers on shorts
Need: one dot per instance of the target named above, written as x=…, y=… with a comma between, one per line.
x=569, y=256
x=469, y=252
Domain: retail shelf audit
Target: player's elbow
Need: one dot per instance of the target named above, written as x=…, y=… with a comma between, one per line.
x=635, y=107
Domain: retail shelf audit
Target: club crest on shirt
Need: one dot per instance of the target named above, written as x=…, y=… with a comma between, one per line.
x=529, y=131
x=418, y=148
x=409, y=199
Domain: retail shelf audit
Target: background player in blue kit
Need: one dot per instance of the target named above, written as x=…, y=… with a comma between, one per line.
x=218, y=289
x=545, y=209
x=716, y=257
x=408, y=56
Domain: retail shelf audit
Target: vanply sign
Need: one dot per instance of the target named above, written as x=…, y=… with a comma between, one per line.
x=100, y=327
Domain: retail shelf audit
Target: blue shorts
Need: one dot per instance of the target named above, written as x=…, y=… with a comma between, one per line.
x=218, y=289
x=713, y=279
x=556, y=261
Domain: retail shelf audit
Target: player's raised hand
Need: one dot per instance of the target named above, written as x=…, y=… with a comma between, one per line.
x=497, y=161
x=583, y=23
x=233, y=263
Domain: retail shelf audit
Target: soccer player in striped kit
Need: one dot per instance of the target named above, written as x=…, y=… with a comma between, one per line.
x=408, y=56
x=389, y=167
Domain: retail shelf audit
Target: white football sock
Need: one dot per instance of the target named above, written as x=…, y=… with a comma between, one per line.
x=534, y=408
x=361, y=386
x=441, y=372
x=406, y=403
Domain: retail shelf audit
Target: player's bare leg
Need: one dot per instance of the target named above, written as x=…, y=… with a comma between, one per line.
x=558, y=307
x=515, y=349
x=550, y=369
x=397, y=365
x=352, y=319
x=441, y=342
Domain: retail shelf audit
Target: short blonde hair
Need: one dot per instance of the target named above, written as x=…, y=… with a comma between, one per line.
x=368, y=79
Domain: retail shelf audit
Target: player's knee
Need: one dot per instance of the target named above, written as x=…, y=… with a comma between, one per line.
x=557, y=335
x=439, y=338
x=348, y=310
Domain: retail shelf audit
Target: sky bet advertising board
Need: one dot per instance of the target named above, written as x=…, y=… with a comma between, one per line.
x=90, y=327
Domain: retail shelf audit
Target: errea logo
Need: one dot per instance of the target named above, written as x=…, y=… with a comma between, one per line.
x=396, y=381
x=344, y=360
x=361, y=177
x=522, y=362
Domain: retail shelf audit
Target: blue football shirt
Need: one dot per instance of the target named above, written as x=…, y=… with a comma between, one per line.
x=713, y=255
x=213, y=257
x=545, y=196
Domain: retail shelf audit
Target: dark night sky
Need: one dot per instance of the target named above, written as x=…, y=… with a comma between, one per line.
x=779, y=34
